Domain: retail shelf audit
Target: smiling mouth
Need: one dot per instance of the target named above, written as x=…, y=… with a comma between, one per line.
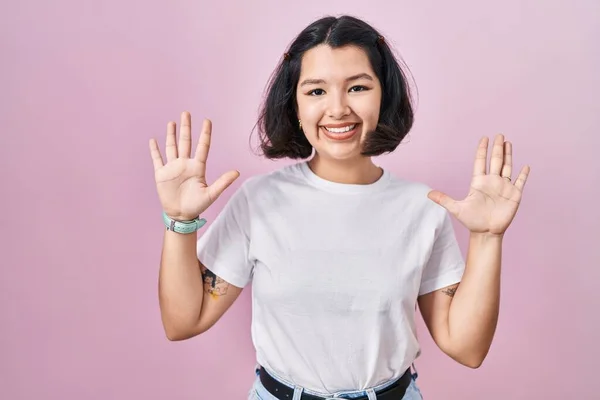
x=341, y=132
x=342, y=129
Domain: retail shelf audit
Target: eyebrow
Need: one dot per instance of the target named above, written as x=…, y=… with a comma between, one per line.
x=349, y=79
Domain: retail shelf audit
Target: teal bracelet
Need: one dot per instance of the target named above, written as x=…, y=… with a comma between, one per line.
x=184, y=227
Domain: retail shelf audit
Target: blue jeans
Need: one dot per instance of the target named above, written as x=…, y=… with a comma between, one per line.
x=258, y=391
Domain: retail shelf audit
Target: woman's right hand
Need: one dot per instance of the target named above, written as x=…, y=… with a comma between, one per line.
x=181, y=182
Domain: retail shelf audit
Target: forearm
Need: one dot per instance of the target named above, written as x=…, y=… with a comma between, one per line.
x=180, y=284
x=473, y=313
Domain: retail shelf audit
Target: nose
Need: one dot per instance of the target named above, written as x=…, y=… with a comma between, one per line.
x=338, y=106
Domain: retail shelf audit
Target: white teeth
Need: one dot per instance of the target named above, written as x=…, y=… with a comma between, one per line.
x=341, y=130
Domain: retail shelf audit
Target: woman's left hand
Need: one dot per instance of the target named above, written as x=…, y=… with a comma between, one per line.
x=493, y=200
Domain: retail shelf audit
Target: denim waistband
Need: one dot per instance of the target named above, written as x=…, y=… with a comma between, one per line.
x=349, y=394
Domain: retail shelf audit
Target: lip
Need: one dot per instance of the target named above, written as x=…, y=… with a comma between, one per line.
x=339, y=136
x=341, y=125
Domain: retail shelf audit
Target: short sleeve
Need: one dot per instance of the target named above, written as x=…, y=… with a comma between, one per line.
x=224, y=246
x=446, y=265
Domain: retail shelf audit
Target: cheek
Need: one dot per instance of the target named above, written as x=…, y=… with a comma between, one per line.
x=369, y=114
x=310, y=112
x=367, y=107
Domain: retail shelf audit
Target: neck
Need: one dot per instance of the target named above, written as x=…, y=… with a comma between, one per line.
x=360, y=172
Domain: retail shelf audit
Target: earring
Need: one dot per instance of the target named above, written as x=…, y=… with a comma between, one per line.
x=300, y=124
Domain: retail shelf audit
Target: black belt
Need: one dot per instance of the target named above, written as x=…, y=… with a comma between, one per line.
x=283, y=392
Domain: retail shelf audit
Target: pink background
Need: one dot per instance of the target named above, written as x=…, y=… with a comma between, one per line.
x=86, y=84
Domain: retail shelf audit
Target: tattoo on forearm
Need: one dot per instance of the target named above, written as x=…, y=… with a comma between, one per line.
x=450, y=291
x=213, y=285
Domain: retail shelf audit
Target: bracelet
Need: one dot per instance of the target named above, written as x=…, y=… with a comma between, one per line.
x=184, y=227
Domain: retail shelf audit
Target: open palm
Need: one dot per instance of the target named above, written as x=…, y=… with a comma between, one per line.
x=181, y=182
x=493, y=200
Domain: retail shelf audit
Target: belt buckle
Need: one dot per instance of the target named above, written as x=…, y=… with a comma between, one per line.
x=335, y=396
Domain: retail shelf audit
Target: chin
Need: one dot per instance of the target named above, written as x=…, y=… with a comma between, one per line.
x=339, y=154
x=339, y=150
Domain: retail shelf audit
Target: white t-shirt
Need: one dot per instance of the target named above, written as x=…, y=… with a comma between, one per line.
x=335, y=269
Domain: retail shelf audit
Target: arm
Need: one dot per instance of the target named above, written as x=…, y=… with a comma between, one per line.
x=184, y=194
x=462, y=318
x=191, y=298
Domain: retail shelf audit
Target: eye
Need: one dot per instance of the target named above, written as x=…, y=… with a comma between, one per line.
x=316, y=92
x=358, y=88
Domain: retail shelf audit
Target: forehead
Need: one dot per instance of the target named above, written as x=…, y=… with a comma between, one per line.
x=325, y=62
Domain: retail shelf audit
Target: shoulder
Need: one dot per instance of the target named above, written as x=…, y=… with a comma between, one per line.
x=282, y=175
x=412, y=197
x=267, y=181
x=255, y=194
x=411, y=188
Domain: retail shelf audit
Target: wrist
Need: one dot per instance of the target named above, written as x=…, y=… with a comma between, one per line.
x=182, y=218
x=486, y=237
x=175, y=215
x=184, y=226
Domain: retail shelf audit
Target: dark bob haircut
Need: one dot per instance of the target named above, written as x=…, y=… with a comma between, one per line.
x=280, y=135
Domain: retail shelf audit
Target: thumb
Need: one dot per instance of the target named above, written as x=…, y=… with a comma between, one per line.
x=221, y=184
x=444, y=200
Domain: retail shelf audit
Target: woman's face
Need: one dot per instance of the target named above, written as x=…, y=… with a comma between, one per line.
x=338, y=98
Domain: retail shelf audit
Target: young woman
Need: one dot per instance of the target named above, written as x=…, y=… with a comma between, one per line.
x=339, y=251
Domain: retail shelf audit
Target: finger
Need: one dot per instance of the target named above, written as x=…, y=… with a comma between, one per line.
x=221, y=184
x=157, y=160
x=522, y=179
x=481, y=157
x=204, y=142
x=185, y=135
x=171, y=147
x=444, y=200
x=497, y=159
x=507, y=167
